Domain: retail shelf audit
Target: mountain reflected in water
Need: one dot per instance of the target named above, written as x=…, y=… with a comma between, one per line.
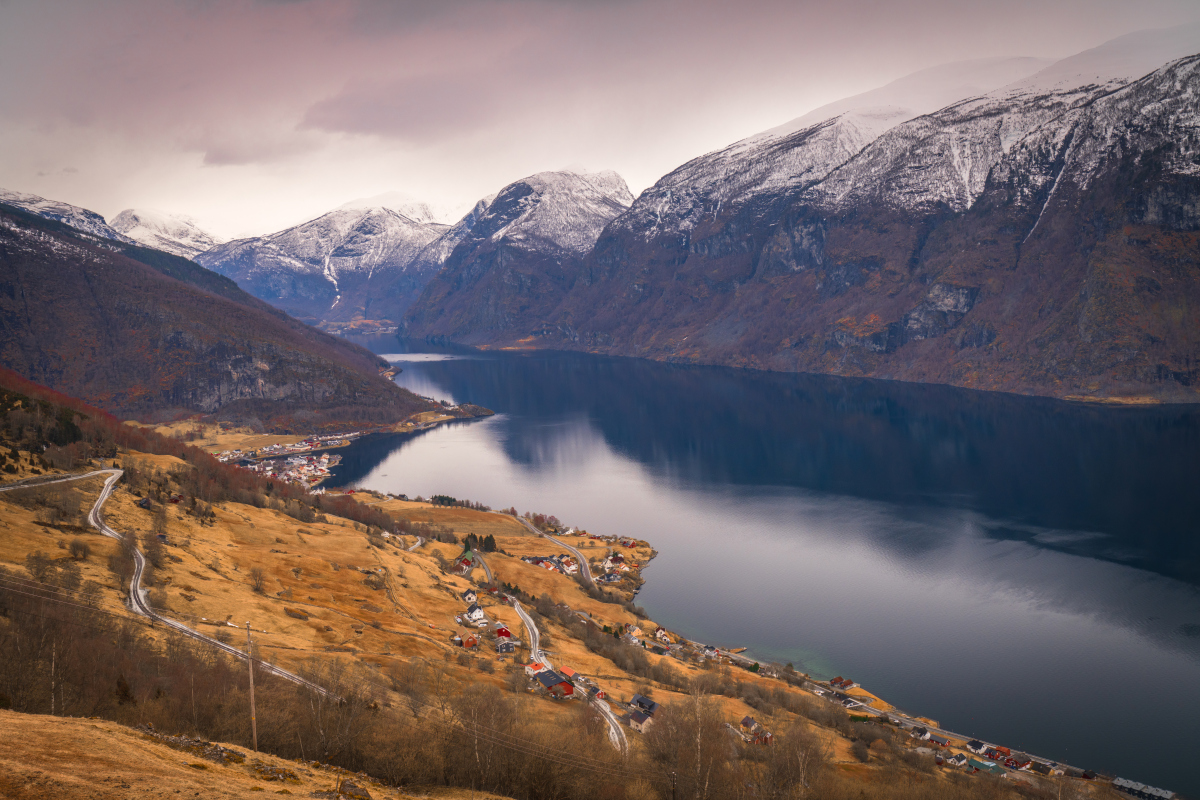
x=1017, y=568
x=1113, y=483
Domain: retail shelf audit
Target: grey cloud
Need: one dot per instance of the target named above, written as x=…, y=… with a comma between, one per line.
x=416, y=109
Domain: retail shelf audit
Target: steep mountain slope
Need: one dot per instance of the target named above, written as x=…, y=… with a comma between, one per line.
x=1030, y=240
x=76, y=217
x=334, y=268
x=516, y=259
x=144, y=333
x=171, y=233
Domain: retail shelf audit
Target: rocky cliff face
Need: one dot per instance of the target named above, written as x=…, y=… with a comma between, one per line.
x=1041, y=238
x=123, y=334
x=518, y=257
x=352, y=263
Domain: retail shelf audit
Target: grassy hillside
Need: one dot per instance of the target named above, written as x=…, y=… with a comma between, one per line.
x=329, y=596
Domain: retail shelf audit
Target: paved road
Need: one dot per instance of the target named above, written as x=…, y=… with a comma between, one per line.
x=616, y=734
x=137, y=595
x=29, y=483
x=534, y=637
x=486, y=569
x=583, y=564
x=420, y=541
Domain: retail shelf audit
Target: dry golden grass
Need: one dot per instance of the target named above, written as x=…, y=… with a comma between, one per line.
x=73, y=759
x=317, y=570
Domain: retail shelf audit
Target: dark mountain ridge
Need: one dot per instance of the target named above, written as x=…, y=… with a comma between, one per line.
x=144, y=333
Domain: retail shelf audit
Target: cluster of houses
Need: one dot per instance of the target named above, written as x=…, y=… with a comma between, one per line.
x=276, y=450
x=306, y=471
x=843, y=684
x=558, y=684
x=1141, y=790
x=563, y=563
x=752, y=732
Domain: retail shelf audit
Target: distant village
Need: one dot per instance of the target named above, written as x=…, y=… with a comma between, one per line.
x=289, y=462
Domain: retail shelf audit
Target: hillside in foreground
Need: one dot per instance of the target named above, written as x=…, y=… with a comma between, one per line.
x=361, y=598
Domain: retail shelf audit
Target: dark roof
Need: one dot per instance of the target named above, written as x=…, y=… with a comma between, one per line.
x=473, y=608
x=638, y=717
x=550, y=678
x=748, y=722
x=644, y=703
x=469, y=592
x=975, y=743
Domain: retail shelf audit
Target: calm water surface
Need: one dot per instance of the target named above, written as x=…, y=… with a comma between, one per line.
x=1019, y=569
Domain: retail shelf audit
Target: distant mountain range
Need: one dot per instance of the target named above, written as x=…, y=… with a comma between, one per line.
x=1041, y=237
x=144, y=333
x=1009, y=224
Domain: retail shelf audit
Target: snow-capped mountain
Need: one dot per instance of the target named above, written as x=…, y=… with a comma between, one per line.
x=518, y=255
x=335, y=267
x=1040, y=236
x=174, y=233
x=78, y=218
x=406, y=205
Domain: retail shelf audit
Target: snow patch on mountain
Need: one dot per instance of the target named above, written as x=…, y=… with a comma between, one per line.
x=567, y=210
x=944, y=158
x=173, y=233
x=78, y=218
x=406, y=205
x=341, y=242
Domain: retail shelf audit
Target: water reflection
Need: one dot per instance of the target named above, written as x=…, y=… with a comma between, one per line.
x=1020, y=569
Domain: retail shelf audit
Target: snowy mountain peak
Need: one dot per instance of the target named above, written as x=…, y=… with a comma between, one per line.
x=915, y=94
x=406, y=205
x=78, y=218
x=1114, y=63
x=174, y=233
x=565, y=208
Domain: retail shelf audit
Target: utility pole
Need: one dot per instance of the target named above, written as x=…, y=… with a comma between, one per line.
x=250, y=659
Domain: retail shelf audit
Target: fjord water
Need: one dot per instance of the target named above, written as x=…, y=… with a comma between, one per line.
x=1020, y=569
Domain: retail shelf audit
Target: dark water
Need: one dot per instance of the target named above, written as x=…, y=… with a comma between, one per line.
x=1020, y=569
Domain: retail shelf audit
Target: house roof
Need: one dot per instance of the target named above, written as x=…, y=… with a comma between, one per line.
x=535, y=666
x=550, y=678
x=638, y=717
x=748, y=722
x=474, y=609
x=645, y=703
x=975, y=743
x=567, y=671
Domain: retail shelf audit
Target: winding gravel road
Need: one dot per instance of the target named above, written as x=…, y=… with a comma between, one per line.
x=137, y=595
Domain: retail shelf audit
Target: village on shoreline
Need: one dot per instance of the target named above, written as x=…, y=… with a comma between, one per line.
x=307, y=461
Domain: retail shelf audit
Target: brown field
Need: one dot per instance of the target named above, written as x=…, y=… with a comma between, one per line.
x=69, y=759
x=320, y=602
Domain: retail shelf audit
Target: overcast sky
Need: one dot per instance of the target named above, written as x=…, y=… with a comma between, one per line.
x=252, y=115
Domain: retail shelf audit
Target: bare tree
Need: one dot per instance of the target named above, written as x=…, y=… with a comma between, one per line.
x=79, y=549
x=258, y=579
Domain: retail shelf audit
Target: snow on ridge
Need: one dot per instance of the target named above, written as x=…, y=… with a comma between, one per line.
x=567, y=208
x=918, y=93
x=79, y=218
x=416, y=210
x=173, y=233
x=1113, y=63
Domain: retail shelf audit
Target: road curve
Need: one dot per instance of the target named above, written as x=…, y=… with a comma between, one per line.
x=584, y=570
x=616, y=734
x=137, y=597
x=535, y=652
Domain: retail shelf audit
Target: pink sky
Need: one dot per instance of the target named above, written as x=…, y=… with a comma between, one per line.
x=252, y=116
